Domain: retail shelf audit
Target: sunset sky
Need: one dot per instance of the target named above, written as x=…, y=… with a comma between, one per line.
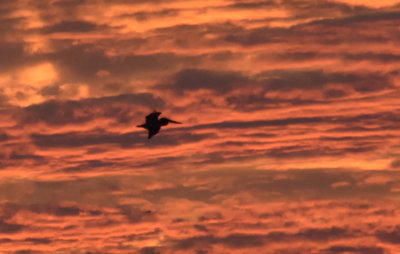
x=290, y=142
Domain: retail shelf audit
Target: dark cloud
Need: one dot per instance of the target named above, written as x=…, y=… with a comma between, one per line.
x=120, y=107
x=355, y=249
x=82, y=62
x=323, y=234
x=69, y=3
x=149, y=250
x=136, y=215
x=223, y=82
x=89, y=165
x=77, y=26
x=84, y=191
x=286, y=80
x=197, y=241
x=268, y=185
x=334, y=93
x=39, y=240
x=146, y=15
x=305, y=152
x=4, y=137
x=67, y=211
x=258, y=240
x=26, y=252
x=196, y=79
x=323, y=31
x=9, y=22
x=95, y=212
x=12, y=55
x=252, y=5
x=15, y=155
x=211, y=216
x=76, y=139
x=389, y=236
x=383, y=119
x=299, y=56
x=201, y=228
x=395, y=164
x=10, y=228
x=259, y=101
x=52, y=90
x=303, y=9
x=125, y=140
x=180, y=191
x=18, y=155
x=57, y=210
x=374, y=57
x=262, y=123
x=370, y=17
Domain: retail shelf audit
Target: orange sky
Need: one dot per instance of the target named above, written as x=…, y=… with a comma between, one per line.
x=290, y=134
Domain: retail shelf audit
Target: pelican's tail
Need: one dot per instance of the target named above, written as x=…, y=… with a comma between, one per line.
x=141, y=126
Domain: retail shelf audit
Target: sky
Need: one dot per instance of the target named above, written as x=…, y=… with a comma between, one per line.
x=289, y=141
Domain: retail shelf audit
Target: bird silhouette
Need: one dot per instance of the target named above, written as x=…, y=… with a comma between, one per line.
x=153, y=124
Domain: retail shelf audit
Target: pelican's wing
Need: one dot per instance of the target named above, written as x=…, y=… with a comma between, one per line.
x=153, y=117
x=153, y=131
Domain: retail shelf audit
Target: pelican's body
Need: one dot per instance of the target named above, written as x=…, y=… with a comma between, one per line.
x=153, y=124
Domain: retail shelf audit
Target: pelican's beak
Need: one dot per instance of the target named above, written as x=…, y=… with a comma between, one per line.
x=141, y=126
x=171, y=121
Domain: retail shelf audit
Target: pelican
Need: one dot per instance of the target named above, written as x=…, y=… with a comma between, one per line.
x=153, y=124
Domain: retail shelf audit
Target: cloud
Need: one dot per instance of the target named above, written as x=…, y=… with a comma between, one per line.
x=395, y=164
x=286, y=80
x=260, y=101
x=200, y=228
x=372, y=16
x=391, y=236
x=77, y=26
x=190, y=193
x=67, y=211
x=355, y=249
x=149, y=250
x=262, y=123
x=4, y=137
x=307, y=9
x=197, y=79
x=69, y=3
x=316, y=31
x=239, y=240
x=12, y=55
x=82, y=62
x=20, y=156
x=383, y=119
x=334, y=93
x=373, y=57
x=56, y=113
x=252, y=91
x=142, y=16
x=304, y=152
x=95, y=191
x=10, y=228
x=89, y=165
x=268, y=185
x=124, y=140
x=252, y=5
x=38, y=240
x=136, y=215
